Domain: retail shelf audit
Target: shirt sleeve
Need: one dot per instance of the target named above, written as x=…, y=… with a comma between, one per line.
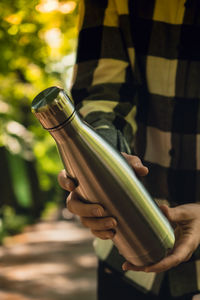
x=103, y=86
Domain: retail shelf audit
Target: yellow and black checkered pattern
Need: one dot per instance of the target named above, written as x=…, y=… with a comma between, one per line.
x=137, y=80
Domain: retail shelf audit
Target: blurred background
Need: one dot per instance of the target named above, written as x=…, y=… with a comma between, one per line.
x=44, y=251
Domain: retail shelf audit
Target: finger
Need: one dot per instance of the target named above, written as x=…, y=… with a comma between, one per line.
x=162, y=266
x=136, y=164
x=82, y=209
x=180, y=213
x=182, y=253
x=104, y=234
x=99, y=223
x=165, y=264
x=128, y=266
x=65, y=182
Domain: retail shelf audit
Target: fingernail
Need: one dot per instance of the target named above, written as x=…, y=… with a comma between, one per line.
x=97, y=212
x=124, y=268
x=69, y=185
x=110, y=224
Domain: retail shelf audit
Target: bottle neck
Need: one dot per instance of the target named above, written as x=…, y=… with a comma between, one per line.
x=68, y=129
x=53, y=107
x=73, y=119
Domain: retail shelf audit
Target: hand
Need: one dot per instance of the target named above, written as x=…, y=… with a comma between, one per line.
x=91, y=215
x=187, y=237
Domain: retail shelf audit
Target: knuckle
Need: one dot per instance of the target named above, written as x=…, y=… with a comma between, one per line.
x=135, y=160
x=95, y=210
x=66, y=182
x=109, y=223
x=184, y=213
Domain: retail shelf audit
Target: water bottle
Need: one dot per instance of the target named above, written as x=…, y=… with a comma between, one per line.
x=143, y=234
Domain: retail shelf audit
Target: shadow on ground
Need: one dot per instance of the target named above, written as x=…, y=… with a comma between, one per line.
x=49, y=261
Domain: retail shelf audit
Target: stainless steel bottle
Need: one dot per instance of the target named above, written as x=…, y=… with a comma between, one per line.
x=143, y=235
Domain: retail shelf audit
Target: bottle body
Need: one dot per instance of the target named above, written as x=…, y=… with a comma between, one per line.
x=143, y=234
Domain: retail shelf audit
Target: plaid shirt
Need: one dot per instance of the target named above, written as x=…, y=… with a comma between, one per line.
x=137, y=81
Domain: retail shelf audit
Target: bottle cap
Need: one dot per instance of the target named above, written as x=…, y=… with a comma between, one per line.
x=52, y=107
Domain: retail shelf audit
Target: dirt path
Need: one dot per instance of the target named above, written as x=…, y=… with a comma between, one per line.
x=49, y=261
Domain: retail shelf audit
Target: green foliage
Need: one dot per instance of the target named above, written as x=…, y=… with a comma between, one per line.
x=37, y=42
x=12, y=223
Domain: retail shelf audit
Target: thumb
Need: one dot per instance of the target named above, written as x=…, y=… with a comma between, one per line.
x=136, y=163
x=175, y=214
